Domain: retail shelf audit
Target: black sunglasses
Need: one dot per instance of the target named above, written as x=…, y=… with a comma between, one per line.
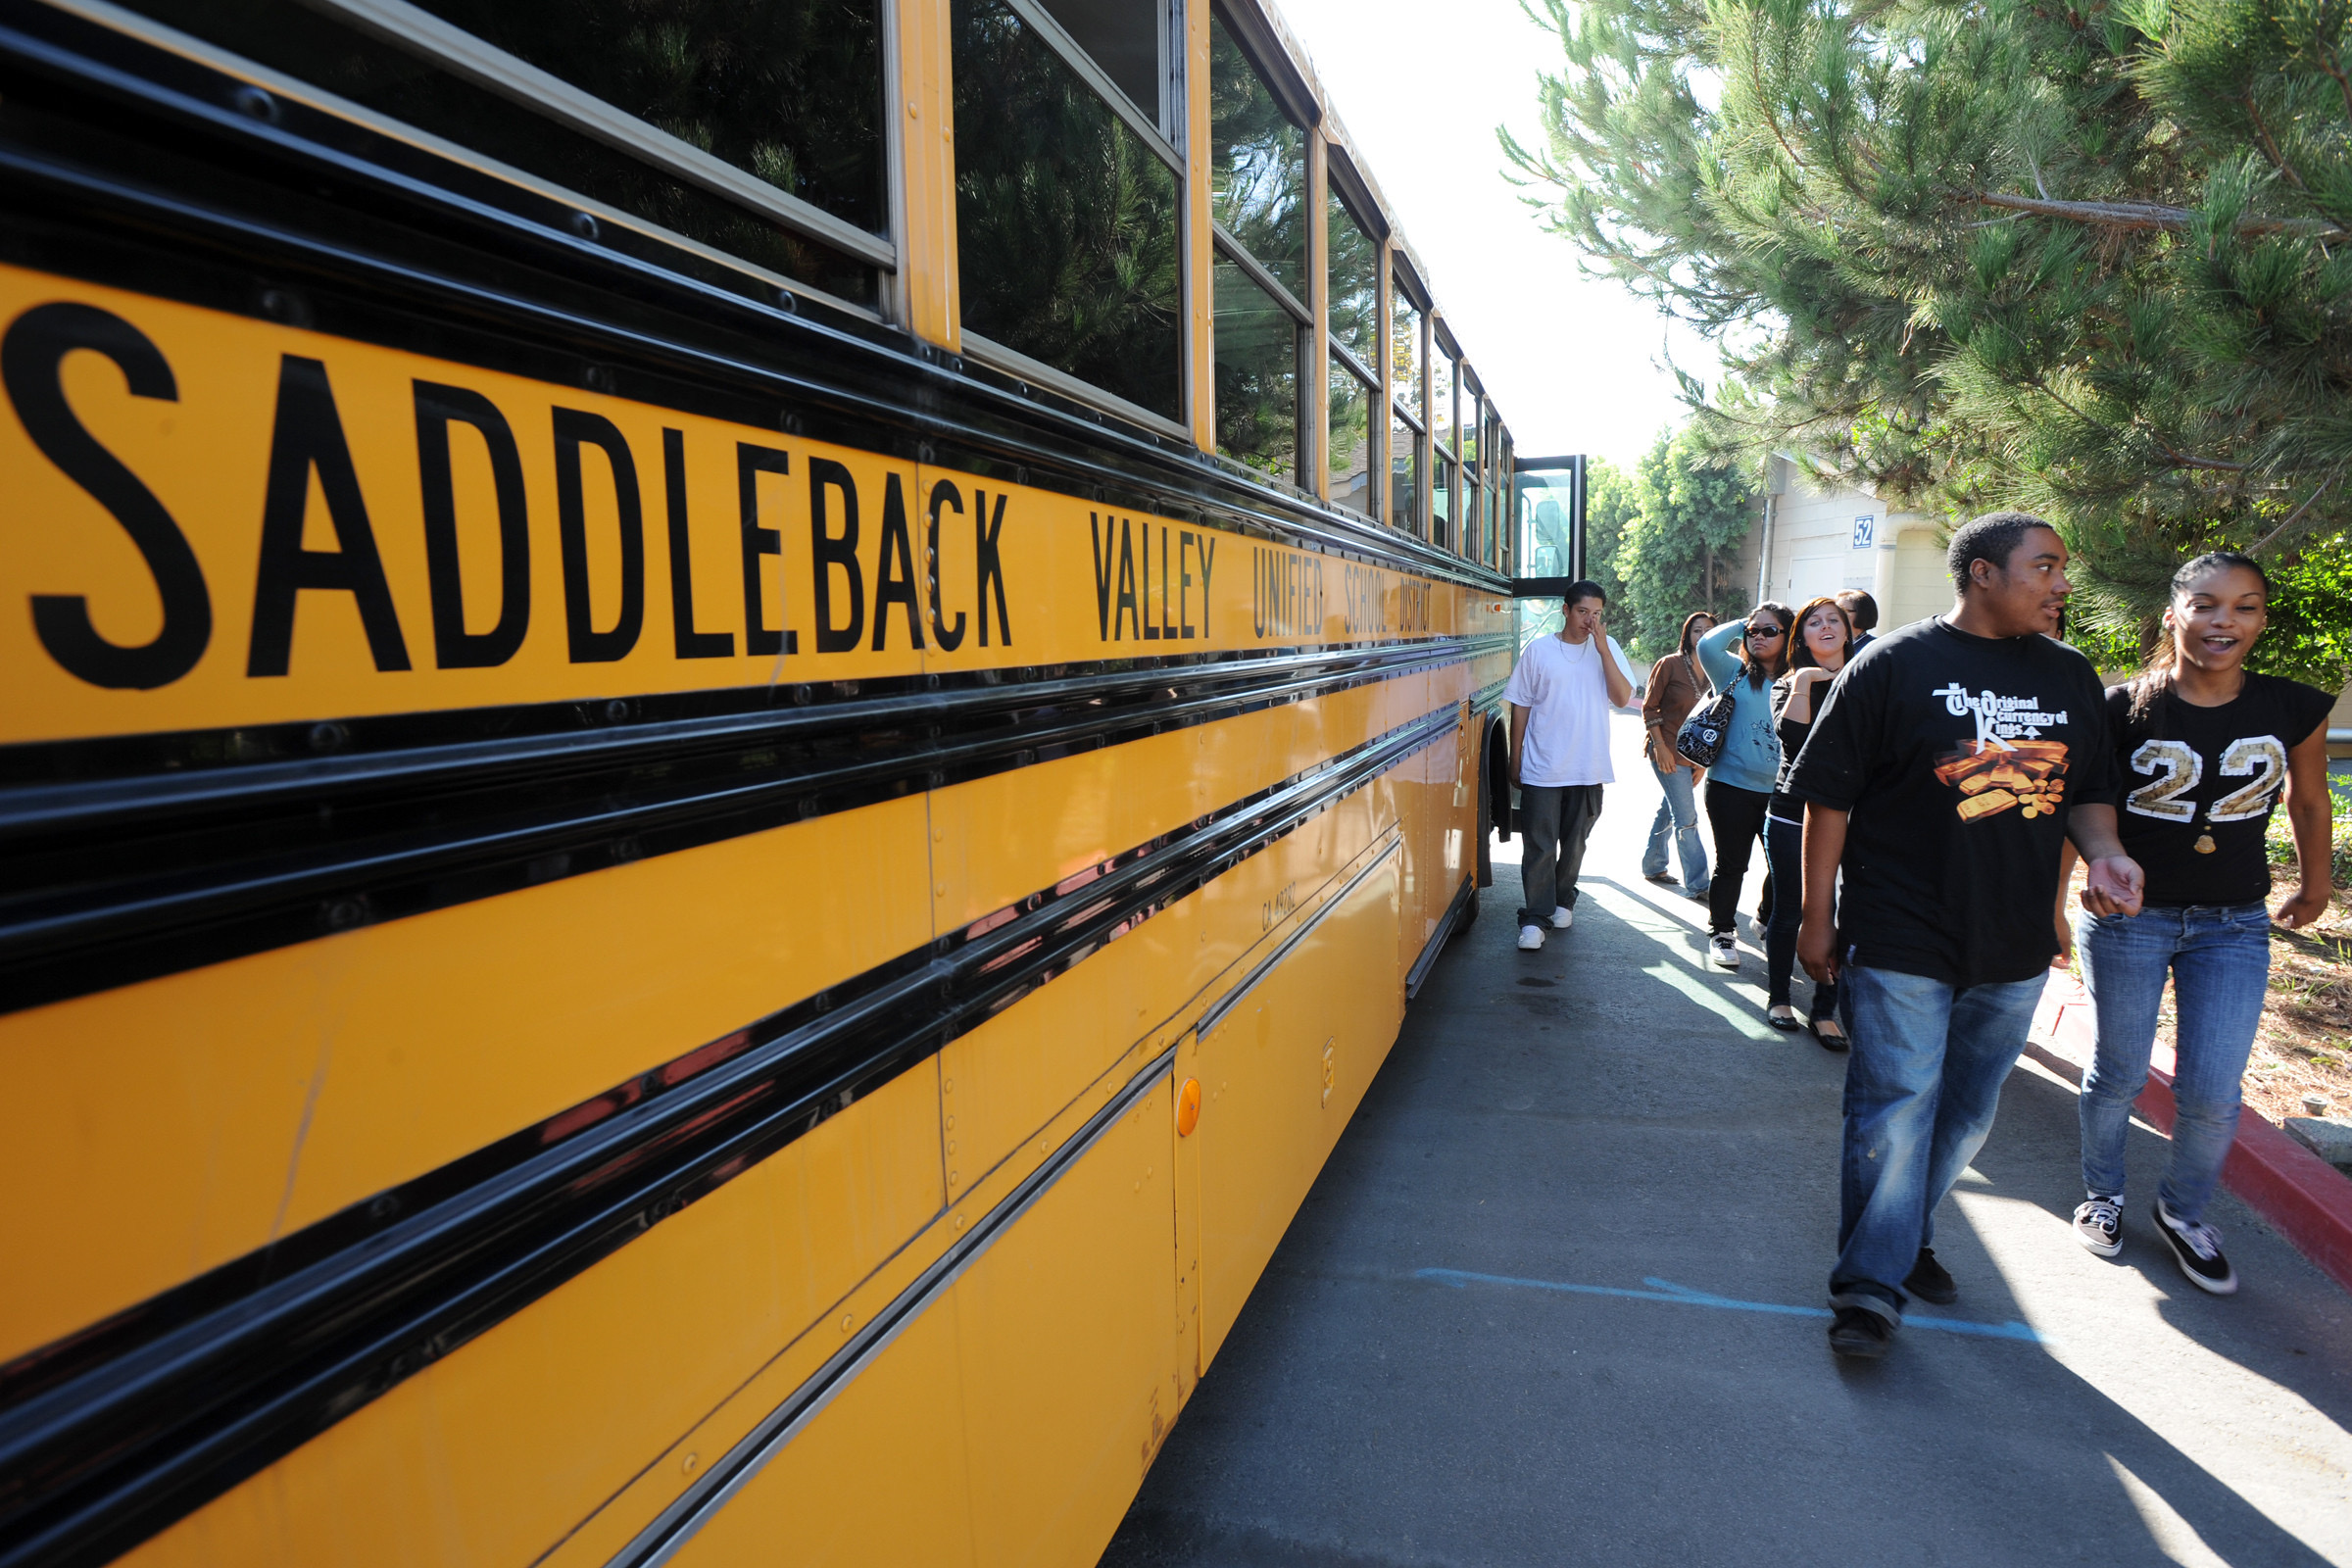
x=1764, y=632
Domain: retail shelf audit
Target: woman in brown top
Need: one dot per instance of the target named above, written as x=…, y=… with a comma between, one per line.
x=1674, y=688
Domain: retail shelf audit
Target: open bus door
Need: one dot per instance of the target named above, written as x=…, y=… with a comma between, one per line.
x=1547, y=534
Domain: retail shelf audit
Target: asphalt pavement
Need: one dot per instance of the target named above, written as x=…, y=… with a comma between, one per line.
x=1558, y=1297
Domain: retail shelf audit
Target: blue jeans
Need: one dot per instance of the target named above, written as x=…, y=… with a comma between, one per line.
x=2219, y=959
x=1678, y=815
x=1785, y=859
x=1921, y=1089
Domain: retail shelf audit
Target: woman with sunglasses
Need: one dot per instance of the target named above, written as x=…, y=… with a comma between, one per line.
x=1742, y=657
x=1825, y=640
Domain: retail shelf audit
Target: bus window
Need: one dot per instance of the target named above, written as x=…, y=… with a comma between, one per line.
x=1355, y=284
x=708, y=91
x=1256, y=165
x=1353, y=402
x=1406, y=464
x=1440, y=506
x=1068, y=216
x=1257, y=348
x=1408, y=459
x=1127, y=41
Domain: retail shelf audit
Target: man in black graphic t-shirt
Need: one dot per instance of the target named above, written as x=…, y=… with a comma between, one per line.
x=1951, y=760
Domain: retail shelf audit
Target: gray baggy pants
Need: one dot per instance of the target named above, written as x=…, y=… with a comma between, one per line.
x=1556, y=820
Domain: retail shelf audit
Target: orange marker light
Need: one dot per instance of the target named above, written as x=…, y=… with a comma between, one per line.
x=1188, y=1107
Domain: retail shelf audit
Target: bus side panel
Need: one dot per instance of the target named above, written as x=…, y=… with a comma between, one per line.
x=878, y=1478
x=489, y=1456
x=1013, y=1421
x=1278, y=1081
x=1008, y=1078
x=238, y=1103
x=1069, y=1367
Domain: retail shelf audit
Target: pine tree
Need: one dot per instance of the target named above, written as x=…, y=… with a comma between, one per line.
x=2086, y=260
x=1677, y=522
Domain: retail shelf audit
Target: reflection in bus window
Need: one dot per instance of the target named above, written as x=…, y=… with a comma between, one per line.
x=1441, y=399
x=1441, y=505
x=1066, y=221
x=1405, y=465
x=790, y=92
x=1354, y=283
x=1258, y=376
x=1351, y=405
x=1256, y=165
x=1405, y=351
x=1122, y=36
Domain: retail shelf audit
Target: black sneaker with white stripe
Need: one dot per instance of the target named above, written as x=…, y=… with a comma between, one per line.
x=2199, y=1250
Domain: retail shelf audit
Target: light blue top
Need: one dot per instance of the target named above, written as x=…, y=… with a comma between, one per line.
x=1751, y=747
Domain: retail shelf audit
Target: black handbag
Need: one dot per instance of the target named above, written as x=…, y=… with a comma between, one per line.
x=1700, y=739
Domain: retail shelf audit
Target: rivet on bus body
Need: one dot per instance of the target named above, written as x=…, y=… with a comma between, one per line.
x=941, y=888
x=688, y=1463
x=951, y=1146
x=847, y=1321
x=256, y=104
x=584, y=224
x=1188, y=1107
x=959, y=1222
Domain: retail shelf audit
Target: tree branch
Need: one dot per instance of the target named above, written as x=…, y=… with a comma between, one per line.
x=2263, y=543
x=2148, y=214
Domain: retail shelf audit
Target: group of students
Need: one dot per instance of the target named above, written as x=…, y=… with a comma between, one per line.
x=1923, y=799
x=1774, y=663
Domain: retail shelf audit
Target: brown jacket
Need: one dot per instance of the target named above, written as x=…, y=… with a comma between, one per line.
x=1673, y=690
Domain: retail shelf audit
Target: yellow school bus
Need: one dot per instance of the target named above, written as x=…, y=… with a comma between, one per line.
x=732, y=729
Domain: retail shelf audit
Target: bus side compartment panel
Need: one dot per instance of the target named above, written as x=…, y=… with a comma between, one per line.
x=1279, y=1076
x=1013, y=1420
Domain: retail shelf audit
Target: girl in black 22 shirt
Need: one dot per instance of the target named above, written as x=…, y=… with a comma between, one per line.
x=2201, y=747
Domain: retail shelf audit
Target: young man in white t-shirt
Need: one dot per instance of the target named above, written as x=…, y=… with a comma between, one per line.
x=1560, y=697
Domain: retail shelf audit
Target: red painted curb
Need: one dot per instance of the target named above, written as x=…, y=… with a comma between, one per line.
x=2302, y=1197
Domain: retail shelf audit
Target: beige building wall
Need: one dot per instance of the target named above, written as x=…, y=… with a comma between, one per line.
x=1823, y=539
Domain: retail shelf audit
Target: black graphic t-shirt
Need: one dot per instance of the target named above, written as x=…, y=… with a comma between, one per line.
x=1957, y=758
x=2197, y=785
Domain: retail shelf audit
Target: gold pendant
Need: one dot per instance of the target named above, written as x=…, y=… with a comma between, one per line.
x=2204, y=843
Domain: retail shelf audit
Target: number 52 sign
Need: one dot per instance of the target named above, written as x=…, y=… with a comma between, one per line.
x=1865, y=529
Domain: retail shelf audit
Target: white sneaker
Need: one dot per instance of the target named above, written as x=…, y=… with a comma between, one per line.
x=1531, y=937
x=2098, y=1222
x=1562, y=918
x=1726, y=952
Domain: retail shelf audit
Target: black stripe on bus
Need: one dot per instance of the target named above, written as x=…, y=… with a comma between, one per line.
x=377, y=258
x=111, y=1435
x=136, y=877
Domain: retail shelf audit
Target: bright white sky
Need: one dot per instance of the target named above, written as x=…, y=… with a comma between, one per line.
x=1574, y=363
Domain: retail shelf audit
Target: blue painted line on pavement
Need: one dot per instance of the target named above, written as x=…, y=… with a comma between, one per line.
x=1682, y=1295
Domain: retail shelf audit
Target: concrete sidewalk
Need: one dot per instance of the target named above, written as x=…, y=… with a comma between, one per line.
x=1557, y=1299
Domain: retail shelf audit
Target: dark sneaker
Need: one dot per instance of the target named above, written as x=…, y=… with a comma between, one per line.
x=1931, y=1281
x=1858, y=1332
x=2099, y=1223
x=2199, y=1250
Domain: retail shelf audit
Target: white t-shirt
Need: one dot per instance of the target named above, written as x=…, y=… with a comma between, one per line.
x=1560, y=685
